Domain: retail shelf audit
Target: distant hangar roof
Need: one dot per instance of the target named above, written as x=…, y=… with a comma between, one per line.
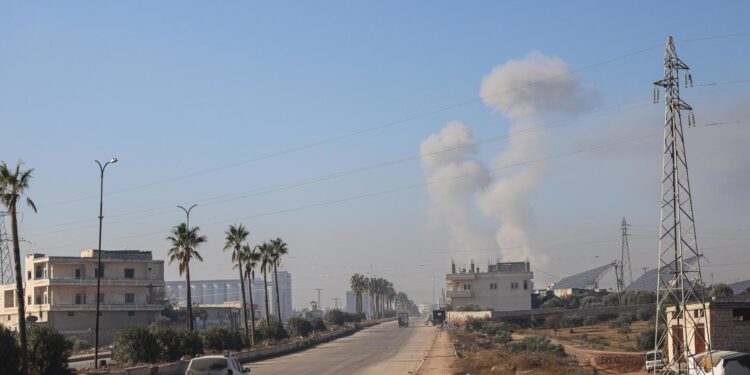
x=584, y=280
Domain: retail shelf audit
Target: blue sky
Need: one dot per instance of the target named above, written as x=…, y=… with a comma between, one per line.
x=174, y=88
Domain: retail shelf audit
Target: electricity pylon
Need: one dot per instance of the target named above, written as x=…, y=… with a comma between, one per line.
x=626, y=273
x=679, y=282
x=6, y=262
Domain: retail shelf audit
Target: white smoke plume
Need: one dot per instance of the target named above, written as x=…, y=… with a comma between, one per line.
x=453, y=199
x=525, y=90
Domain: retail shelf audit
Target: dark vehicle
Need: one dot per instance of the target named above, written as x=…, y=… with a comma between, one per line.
x=403, y=319
x=438, y=317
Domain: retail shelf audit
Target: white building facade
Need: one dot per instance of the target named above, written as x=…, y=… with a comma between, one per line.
x=504, y=287
x=61, y=291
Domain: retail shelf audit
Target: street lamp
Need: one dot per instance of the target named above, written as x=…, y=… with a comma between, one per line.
x=99, y=255
x=187, y=229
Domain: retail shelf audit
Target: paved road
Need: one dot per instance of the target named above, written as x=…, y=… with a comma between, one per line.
x=382, y=349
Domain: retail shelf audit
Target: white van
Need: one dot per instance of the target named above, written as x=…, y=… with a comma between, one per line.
x=719, y=362
x=654, y=360
x=216, y=365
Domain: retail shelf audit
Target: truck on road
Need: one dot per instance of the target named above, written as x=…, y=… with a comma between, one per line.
x=403, y=319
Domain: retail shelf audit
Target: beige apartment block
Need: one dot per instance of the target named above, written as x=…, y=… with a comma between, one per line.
x=504, y=287
x=61, y=291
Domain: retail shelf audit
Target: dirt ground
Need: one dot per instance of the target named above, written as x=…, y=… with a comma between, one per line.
x=440, y=357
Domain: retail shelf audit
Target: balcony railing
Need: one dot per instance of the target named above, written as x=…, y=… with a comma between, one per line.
x=104, y=281
x=459, y=294
x=460, y=276
x=102, y=307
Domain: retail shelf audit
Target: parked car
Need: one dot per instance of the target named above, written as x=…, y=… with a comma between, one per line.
x=719, y=362
x=216, y=365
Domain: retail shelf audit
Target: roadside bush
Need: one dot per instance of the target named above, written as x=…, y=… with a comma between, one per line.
x=498, y=332
x=569, y=321
x=135, y=344
x=271, y=330
x=552, y=321
x=611, y=299
x=589, y=301
x=473, y=324
x=590, y=320
x=48, y=351
x=299, y=327
x=622, y=319
x=571, y=302
x=10, y=364
x=469, y=307
x=645, y=340
x=222, y=338
x=537, y=344
x=335, y=317
x=552, y=302
x=624, y=328
x=176, y=342
x=318, y=325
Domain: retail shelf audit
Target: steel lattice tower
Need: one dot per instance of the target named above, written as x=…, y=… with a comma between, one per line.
x=6, y=262
x=679, y=282
x=626, y=273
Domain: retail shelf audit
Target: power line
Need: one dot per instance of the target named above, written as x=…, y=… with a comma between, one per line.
x=395, y=122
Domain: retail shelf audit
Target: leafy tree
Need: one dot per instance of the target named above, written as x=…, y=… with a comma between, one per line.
x=266, y=261
x=590, y=320
x=174, y=342
x=569, y=321
x=357, y=284
x=184, y=243
x=299, y=327
x=611, y=299
x=135, y=344
x=222, y=338
x=553, y=321
x=272, y=330
x=643, y=314
x=720, y=290
x=10, y=364
x=335, y=317
x=571, y=302
x=469, y=307
x=588, y=301
x=235, y=236
x=552, y=302
x=48, y=351
x=13, y=185
x=79, y=344
x=279, y=249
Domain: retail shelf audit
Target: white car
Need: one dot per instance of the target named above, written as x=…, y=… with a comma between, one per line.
x=654, y=360
x=216, y=365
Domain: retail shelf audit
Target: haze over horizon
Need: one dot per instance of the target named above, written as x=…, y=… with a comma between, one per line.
x=425, y=133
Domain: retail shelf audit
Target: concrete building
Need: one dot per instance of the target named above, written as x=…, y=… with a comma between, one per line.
x=504, y=287
x=227, y=314
x=61, y=291
x=213, y=292
x=725, y=323
x=351, y=302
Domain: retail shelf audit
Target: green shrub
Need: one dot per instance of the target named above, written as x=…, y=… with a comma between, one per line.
x=48, y=351
x=552, y=302
x=623, y=328
x=222, y=338
x=79, y=344
x=469, y=307
x=643, y=314
x=10, y=364
x=299, y=327
x=335, y=317
x=611, y=299
x=473, y=324
x=271, y=330
x=176, y=342
x=569, y=321
x=571, y=302
x=590, y=320
x=552, y=321
x=589, y=301
x=498, y=332
x=135, y=344
x=537, y=344
x=645, y=340
x=318, y=325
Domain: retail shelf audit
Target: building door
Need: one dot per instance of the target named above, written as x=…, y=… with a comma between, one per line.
x=700, y=338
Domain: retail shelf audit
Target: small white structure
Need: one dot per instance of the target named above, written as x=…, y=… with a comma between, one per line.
x=505, y=286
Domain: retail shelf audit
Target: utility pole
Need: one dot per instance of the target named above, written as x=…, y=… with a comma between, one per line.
x=320, y=307
x=679, y=282
x=626, y=272
x=100, y=269
x=336, y=303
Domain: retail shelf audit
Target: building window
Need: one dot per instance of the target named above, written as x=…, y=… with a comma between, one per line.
x=101, y=297
x=78, y=273
x=29, y=298
x=38, y=300
x=131, y=313
x=28, y=275
x=129, y=273
x=467, y=286
x=741, y=314
x=493, y=285
x=698, y=313
x=129, y=298
x=8, y=317
x=514, y=285
x=96, y=272
x=38, y=272
x=525, y=285
x=80, y=299
x=71, y=313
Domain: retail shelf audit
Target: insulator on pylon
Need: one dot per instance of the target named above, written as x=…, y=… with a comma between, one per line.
x=691, y=119
x=688, y=80
x=656, y=95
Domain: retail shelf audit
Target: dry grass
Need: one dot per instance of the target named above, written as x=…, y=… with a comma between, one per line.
x=598, y=337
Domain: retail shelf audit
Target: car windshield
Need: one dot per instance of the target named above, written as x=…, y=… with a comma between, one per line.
x=208, y=364
x=653, y=356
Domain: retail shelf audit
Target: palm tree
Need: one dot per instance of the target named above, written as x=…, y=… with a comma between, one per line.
x=250, y=256
x=266, y=261
x=368, y=287
x=236, y=235
x=357, y=283
x=13, y=184
x=279, y=248
x=184, y=244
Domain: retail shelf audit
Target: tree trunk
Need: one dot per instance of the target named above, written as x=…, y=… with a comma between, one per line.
x=244, y=302
x=189, y=319
x=252, y=311
x=19, y=290
x=265, y=287
x=278, y=303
